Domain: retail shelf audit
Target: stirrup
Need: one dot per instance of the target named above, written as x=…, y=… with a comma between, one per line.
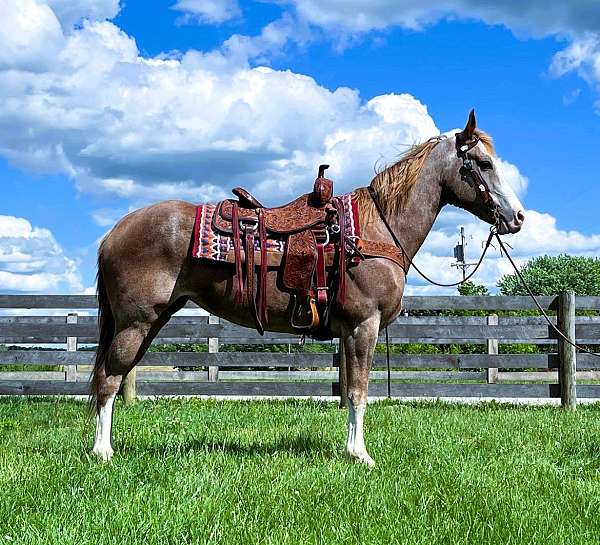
x=314, y=323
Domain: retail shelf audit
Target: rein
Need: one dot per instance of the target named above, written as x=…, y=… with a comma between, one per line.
x=474, y=179
x=411, y=262
x=537, y=303
x=471, y=176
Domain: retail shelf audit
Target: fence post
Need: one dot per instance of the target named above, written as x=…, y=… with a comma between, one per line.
x=343, y=378
x=71, y=370
x=213, y=348
x=492, y=348
x=567, y=353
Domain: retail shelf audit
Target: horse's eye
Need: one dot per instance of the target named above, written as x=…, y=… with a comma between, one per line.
x=485, y=165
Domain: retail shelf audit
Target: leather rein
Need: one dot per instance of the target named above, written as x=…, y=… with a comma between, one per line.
x=469, y=175
x=474, y=179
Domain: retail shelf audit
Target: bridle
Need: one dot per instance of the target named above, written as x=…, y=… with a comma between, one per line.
x=475, y=179
x=470, y=175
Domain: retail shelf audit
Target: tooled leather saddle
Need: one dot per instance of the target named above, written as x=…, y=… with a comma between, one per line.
x=317, y=252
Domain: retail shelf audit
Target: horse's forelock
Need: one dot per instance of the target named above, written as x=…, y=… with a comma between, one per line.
x=487, y=141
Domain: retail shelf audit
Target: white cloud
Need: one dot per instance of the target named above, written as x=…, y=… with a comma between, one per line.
x=85, y=102
x=32, y=32
x=511, y=175
x=271, y=42
x=583, y=57
x=129, y=189
x=208, y=11
x=535, y=17
x=32, y=261
x=577, y=21
x=152, y=128
x=540, y=235
x=576, y=55
x=30, y=35
x=72, y=12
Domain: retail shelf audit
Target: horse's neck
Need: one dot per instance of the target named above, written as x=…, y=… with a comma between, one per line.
x=415, y=221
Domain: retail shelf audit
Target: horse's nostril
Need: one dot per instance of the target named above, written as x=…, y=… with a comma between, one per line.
x=520, y=215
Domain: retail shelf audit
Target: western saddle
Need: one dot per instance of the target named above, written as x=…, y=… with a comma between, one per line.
x=311, y=229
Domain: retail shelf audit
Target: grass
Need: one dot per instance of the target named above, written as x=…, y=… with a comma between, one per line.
x=191, y=471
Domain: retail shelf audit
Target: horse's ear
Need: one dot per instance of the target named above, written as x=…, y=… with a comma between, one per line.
x=466, y=136
x=469, y=130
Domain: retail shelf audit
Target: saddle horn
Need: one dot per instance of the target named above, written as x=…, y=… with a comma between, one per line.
x=322, y=190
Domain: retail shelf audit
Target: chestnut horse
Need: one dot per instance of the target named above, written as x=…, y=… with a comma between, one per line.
x=146, y=273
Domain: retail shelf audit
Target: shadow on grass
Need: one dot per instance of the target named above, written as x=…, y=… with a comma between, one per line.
x=581, y=460
x=300, y=445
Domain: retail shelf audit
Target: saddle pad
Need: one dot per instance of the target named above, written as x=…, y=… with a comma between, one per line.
x=209, y=244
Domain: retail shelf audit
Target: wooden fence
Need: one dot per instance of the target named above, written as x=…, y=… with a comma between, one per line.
x=69, y=323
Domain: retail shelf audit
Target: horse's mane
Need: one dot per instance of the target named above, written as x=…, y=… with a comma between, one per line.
x=394, y=184
x=487, y=141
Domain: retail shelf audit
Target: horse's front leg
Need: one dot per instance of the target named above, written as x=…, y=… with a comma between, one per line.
x=359, y=344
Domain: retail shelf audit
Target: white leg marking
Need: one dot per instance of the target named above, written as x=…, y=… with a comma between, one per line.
x=355, y=445
x=102, y=446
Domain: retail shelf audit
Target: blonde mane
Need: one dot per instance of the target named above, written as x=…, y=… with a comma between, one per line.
x=487, y=141
x=395, y=183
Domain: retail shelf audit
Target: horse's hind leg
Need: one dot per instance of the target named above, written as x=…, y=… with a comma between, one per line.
x=359, y=347
x=127, y=347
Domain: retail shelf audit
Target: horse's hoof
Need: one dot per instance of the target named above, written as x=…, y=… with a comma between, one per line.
x=366, y=460
x=362, y=458
x=104, y=454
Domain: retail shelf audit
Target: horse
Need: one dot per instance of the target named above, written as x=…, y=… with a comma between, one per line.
x=146, y=273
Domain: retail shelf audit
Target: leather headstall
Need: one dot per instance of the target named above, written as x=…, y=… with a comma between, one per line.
x=468, y=173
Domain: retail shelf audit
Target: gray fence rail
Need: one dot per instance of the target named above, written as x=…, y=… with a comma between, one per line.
x=62, y=341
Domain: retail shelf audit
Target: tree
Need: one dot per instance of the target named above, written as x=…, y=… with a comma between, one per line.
x=549, y=275
x=470, y=288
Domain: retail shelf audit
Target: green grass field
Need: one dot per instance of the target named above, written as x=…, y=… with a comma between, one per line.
x=190, y=471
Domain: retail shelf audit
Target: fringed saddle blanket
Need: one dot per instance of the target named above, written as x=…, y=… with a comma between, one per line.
x=216, y=246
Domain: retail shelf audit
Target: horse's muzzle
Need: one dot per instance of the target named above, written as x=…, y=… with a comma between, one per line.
x=513, y=225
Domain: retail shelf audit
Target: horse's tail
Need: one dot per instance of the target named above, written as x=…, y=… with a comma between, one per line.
x=106, y=324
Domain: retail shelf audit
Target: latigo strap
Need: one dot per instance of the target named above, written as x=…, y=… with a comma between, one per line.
x=262, y=294
x=249, y=249
x=235, y=225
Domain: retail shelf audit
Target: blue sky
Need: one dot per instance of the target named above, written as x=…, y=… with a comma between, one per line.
x=76, y=152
